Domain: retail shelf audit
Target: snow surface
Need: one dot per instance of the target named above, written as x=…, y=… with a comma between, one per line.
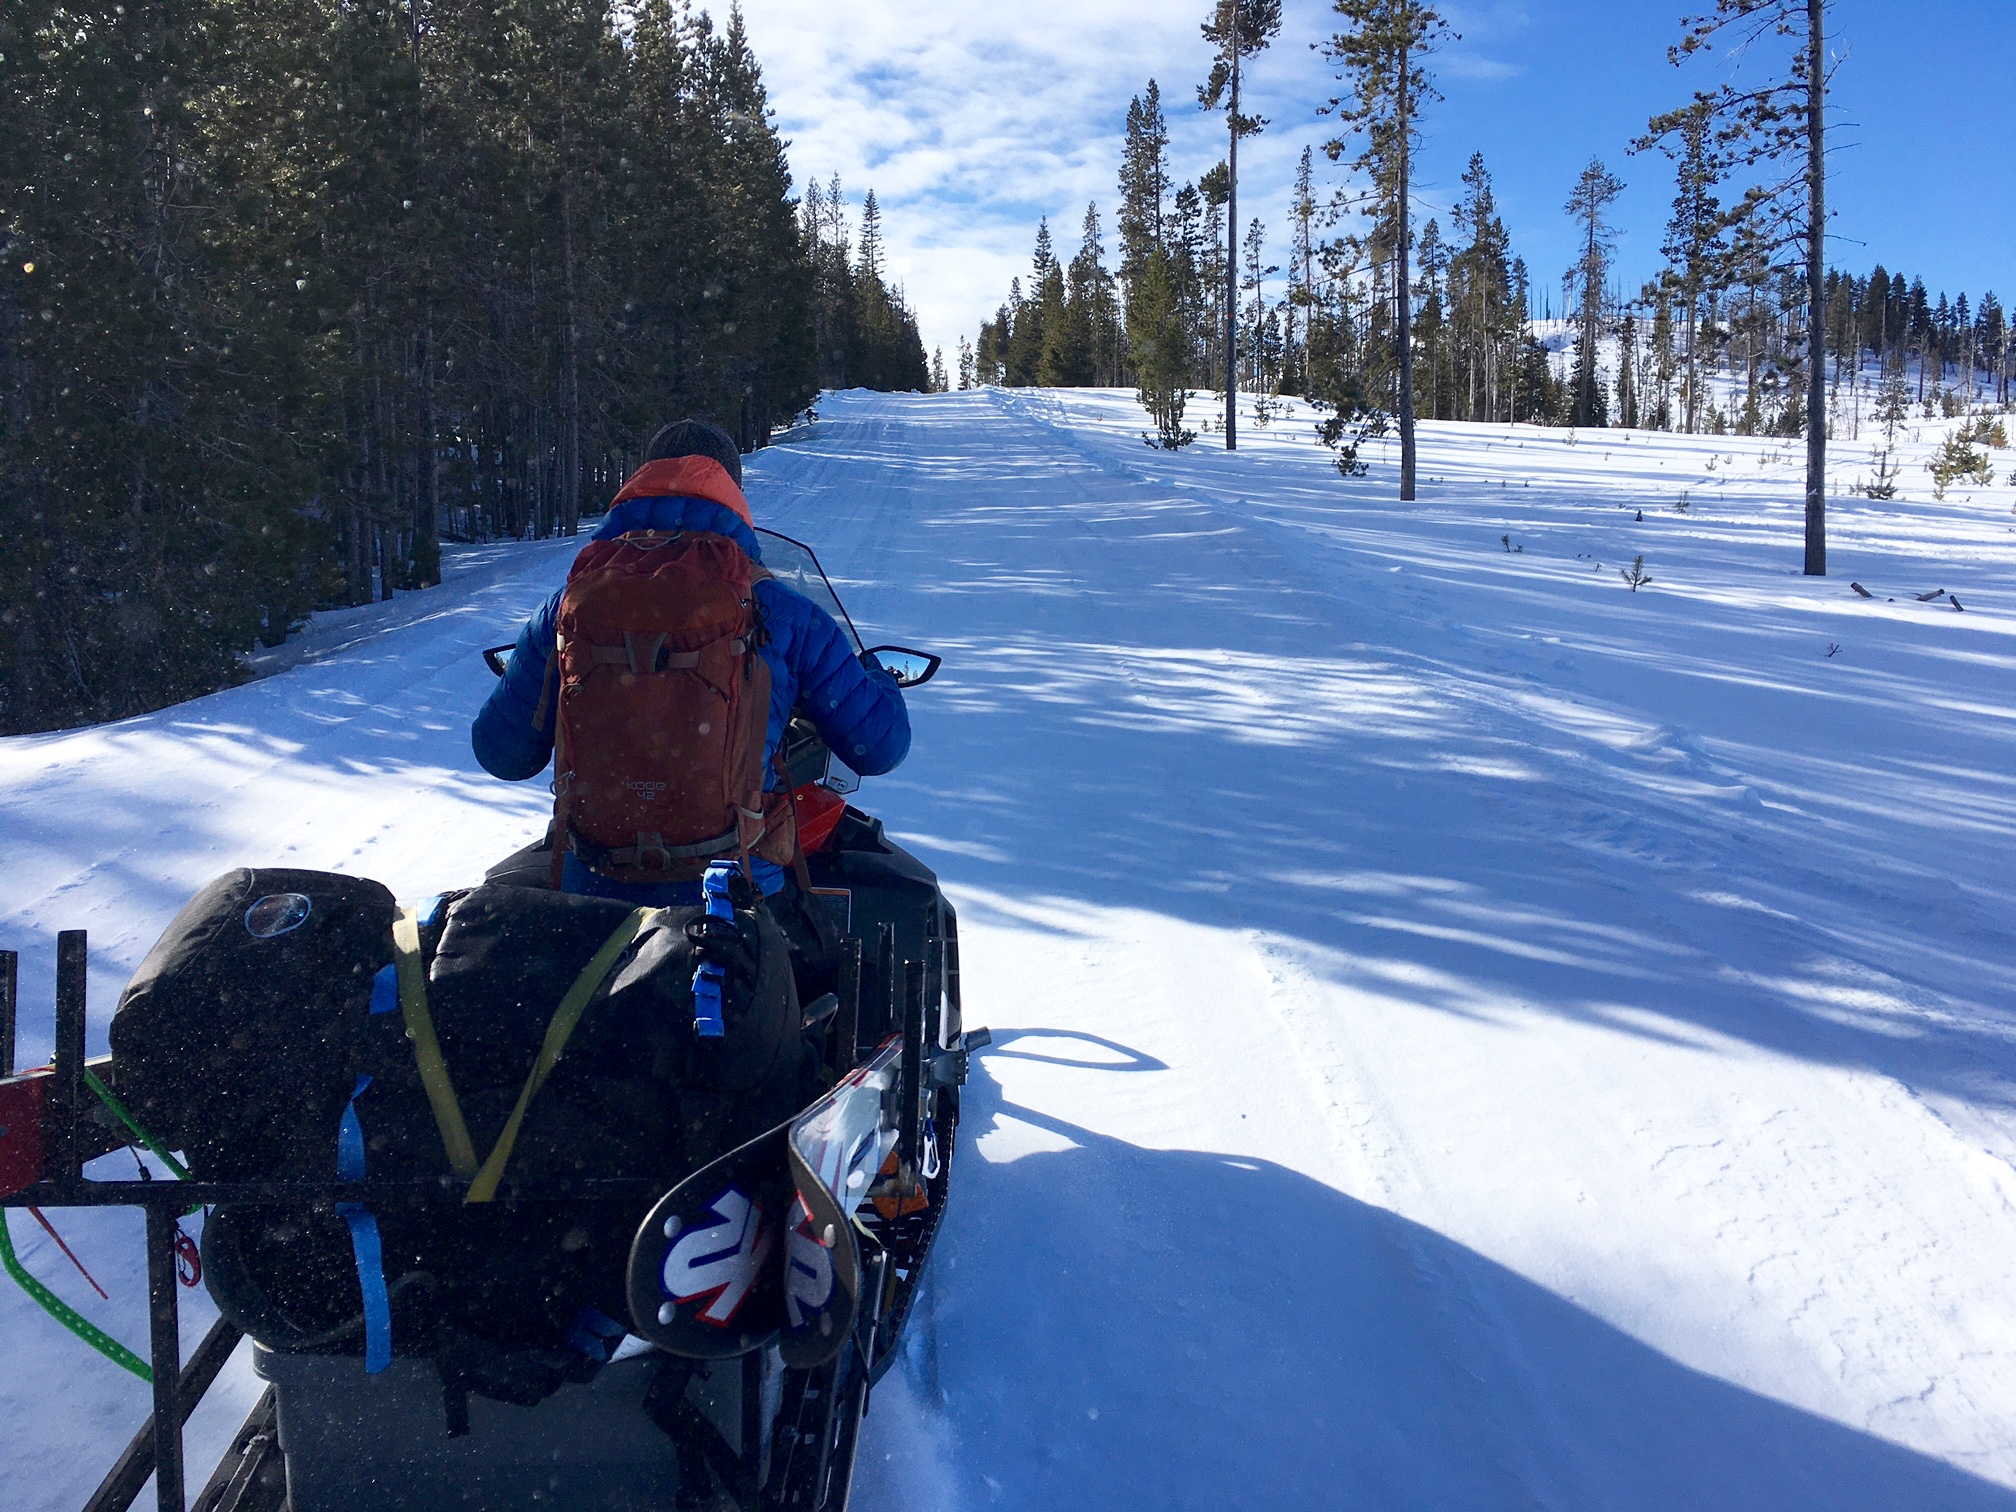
x=1467, y=1035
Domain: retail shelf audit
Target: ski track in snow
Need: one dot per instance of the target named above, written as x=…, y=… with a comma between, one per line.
x=1466, y=1035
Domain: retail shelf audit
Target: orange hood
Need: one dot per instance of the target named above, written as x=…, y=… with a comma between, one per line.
x=686, y=478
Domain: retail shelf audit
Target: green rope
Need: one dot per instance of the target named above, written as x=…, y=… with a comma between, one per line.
x=119, y=1112
x=63, y=1313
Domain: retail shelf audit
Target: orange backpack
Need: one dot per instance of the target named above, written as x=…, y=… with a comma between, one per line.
x=663, y=707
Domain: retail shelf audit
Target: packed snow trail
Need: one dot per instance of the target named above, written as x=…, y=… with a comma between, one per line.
x=1467, y=1035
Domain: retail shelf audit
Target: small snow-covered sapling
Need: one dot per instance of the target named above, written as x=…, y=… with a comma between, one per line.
x=1635, y=574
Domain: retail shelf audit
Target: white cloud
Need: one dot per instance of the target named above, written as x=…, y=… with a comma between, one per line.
x=1471, y=65
x=970, y=122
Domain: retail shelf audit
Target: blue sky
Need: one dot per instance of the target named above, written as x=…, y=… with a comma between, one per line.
x=971, y=122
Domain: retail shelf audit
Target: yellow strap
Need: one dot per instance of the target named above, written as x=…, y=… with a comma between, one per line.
x=426, y=1048
x=565, y=1017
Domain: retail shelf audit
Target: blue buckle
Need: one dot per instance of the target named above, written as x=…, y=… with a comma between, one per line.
x=709, y=1020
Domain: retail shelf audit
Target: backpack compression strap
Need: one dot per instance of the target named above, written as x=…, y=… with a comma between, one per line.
x=426, y=1047
x=565, y=1017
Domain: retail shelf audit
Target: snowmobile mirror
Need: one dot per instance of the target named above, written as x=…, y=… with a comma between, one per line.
x=494, y=658
x=909, y=668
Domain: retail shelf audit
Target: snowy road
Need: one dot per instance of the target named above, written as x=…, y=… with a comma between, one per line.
x=1467, y=1036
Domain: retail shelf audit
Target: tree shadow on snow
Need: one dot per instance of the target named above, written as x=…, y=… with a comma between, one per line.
x=1222, y=736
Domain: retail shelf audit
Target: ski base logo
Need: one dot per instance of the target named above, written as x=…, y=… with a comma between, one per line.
x=722, y=1261
x=706, y=1277
x=808, y=1273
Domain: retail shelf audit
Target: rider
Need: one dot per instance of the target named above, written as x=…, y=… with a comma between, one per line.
x=856, y=705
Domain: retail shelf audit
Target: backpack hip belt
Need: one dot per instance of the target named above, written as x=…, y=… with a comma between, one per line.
x=651, y=853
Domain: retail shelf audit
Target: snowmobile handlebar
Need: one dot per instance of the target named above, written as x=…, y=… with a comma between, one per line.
x=910, y=668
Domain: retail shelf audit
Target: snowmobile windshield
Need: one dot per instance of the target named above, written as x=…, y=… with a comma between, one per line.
x=793, y=564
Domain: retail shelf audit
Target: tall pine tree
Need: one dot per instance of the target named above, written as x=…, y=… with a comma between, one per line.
x=1239, y=29
x=1779, y=125
x=1379, y=56
x=1588, y=205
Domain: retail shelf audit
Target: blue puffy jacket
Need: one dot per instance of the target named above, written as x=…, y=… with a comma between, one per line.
x=859, y=714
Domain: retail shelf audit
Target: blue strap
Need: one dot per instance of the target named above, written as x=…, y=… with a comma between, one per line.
x=370, y=1255
x=350, y=1137
x=365, y=1244
x=709, y=978
x=707, y=1001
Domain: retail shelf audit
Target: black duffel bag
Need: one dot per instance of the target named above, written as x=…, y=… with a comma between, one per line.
x=240, y=1037
x=257, y=1029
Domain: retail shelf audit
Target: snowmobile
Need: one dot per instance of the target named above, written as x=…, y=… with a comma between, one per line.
x=765, y=1290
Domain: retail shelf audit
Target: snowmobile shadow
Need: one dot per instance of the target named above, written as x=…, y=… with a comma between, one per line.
x=1130, y=1059
x=1211, y=1330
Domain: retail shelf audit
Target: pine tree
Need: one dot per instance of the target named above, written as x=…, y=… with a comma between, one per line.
x=1665, y=362
x=990, y=353
x=1239, y=29
x=1197, y=242
x=1075, y=337
x=1065, y=346
x=1535, y=394
x=1995, y=342
x=1430, y=322
x=1302, y=277
x=1627, y=374
x=1025, y=344
x=1485, y=331
x=1963, y=344
x=1695, y=247
x=1144, y=184
x=1912, y=324
x=1091, y=292
x=1875, y=316
x=1782, y=120
x=1378, y=56
x=1893, y=408
x=1161, y=352
x=871, y=238
x=1254, y=318
x=1588, y=205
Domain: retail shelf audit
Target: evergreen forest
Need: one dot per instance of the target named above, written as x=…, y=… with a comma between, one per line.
x=293, y=291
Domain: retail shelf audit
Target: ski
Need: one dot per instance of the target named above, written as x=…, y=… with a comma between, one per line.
x=835, y=1148
x=704, y=1278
